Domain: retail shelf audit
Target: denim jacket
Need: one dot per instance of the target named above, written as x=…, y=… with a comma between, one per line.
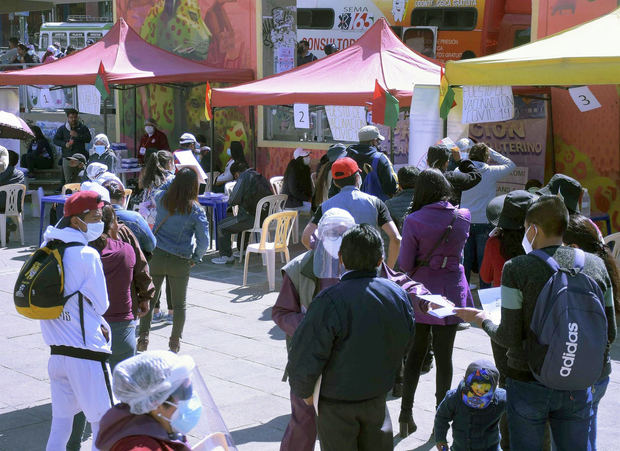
x=472, y=429
x=138, y=226
x=186, y=236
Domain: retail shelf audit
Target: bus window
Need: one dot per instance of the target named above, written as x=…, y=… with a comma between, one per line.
x=94, y=36
x=76, y=39
x=421, y=40
x=315, y=18
x=522, y=37
x=60, y=37
x=45, y=41
x=461, y=19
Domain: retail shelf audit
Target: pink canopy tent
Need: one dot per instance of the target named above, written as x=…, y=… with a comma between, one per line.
x=127, y=60
x=344, y=78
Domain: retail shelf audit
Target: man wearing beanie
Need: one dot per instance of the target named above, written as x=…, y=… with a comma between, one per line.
x=474, y=408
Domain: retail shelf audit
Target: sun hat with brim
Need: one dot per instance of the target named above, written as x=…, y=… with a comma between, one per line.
x=336, y=151
x=565, y=186
x=512, y=209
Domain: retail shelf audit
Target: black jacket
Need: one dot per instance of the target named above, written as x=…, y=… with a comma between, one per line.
x=467, y=178
x=251, y=187
x=63, y=136
x=297, y=184
x=355, y=333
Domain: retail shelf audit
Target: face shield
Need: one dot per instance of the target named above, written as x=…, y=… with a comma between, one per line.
x=334, y=223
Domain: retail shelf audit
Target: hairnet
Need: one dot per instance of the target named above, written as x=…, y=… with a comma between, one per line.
x=334, y=223
x=104, y=138
x=145, y=381
x=94, y=170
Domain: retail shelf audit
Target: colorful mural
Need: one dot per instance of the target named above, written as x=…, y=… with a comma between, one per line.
x=219, y=33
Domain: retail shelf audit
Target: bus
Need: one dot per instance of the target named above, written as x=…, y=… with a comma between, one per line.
x=441, y=29
x=75, y=34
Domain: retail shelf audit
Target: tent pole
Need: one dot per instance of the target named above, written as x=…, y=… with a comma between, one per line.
x=105, y=116
x=212, y=124
x=392, y=144
x=135, y=121
x=445, y=128
x=253, y=132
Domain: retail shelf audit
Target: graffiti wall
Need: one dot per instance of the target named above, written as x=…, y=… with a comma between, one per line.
x=220, y=33
x=586, y=144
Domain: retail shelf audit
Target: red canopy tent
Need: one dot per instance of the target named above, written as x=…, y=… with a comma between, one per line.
x=127, y=60
x=344, y=78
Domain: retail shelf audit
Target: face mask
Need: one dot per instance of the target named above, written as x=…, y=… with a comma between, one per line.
x=99, y=150
x=149, y=130
x=187, y=415
x=307, y=161
x=526, y=244
x=228, y=152
x=93, y=230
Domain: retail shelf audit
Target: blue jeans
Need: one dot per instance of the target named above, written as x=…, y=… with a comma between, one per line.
x=530, y=405
x=474, y=249
x=123, y=341
x=598, y=391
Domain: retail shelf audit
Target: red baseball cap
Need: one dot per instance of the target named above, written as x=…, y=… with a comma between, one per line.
x=82, y=202
x=344, y=167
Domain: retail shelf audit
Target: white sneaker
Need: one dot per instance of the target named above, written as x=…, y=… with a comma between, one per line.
x=223, y=260
x=236, y=254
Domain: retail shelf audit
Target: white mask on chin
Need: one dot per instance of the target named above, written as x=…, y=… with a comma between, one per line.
x=525, y=243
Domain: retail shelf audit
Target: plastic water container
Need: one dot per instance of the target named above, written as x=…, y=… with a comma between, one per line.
x=585, y=203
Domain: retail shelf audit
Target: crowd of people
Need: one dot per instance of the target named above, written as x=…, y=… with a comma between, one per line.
x=352, y=305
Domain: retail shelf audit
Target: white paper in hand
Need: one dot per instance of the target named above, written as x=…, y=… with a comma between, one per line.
x=442, y=312
x=436, y=299
x=302, y=115
x=491, y=301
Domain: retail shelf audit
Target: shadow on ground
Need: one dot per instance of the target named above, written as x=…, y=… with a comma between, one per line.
x=271, y=431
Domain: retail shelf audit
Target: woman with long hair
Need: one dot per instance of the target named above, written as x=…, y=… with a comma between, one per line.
x=39, y=154
x=151, y=179
x=180, y=221
x=434, y=234
x=297, y=183
x=582, y=233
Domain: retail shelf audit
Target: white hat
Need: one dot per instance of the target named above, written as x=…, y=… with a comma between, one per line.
x=96, y=187
x=299, y=152
x=94, y=170
x=187, y=138
x=104, y=138
x=146, y=380
x=368, y=133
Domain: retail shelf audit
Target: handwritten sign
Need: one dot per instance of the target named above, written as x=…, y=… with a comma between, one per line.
x=487, y=104
x=89, y=100
x=345, y=121
x=584, y=99
x=302, y=115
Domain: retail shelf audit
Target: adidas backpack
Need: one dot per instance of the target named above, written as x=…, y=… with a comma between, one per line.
x=371, y=183
x=567, y=339
x=39, y=289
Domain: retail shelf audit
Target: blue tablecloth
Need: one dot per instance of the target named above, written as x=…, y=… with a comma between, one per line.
x=219, y=203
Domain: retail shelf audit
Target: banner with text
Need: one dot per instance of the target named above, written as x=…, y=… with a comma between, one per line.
x=345, y=121
x=487, y=104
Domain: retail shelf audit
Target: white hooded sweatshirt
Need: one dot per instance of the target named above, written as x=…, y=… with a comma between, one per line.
x=84, y=273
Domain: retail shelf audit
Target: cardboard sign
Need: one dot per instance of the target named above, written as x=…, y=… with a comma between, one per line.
x=345, y=121
x=487, y=104
x=302, y=115
x=584, y=99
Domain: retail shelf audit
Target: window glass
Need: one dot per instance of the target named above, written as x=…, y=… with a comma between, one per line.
x=522, y=37
x=462, y=19
x=60, y=37
x=317, y=18
x=77, y=40
x=45, y=41
x=95, y=36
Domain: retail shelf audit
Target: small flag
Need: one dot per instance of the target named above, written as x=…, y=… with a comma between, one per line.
x=208, y=110
x=446, y=96
x=101, y=83
x=384, y=107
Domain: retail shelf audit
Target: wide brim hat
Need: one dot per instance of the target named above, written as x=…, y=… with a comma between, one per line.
x=565, y=186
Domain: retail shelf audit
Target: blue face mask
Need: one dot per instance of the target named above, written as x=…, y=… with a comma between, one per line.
x=187, y=415
x=99, y=150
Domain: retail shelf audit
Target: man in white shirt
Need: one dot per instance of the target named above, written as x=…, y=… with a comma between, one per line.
x=79, y=338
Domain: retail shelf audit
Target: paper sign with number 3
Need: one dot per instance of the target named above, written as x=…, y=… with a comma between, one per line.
x=584, y=99
x=302, y=116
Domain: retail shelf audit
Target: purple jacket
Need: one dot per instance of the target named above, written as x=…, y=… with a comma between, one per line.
x=444, y=275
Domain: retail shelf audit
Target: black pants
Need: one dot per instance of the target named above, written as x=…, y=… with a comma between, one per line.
x=364, y=425
x=443, y=343
x=32, y=162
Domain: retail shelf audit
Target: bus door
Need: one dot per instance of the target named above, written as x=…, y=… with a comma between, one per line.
x=421, y=39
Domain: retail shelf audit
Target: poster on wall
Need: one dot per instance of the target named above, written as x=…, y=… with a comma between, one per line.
x=487, y=104
x=345, y=121
x=523, y=140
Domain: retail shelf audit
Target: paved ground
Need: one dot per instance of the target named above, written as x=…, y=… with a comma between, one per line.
x=239, y=350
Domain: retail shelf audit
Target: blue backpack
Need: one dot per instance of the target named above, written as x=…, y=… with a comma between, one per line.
x=372, y=184
x=567, y=340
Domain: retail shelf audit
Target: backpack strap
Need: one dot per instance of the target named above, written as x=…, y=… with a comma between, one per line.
x=580, y=259
x=442, y=239
x=80, y=295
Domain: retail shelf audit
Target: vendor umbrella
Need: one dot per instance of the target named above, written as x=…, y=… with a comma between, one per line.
x=13, y=127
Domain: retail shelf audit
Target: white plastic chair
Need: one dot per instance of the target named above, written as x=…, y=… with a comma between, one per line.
x=35, y=201
x=283, y=225
x=276, y=184
x=275, y=205
x=12, y=209
x=73, y=187
x=228, y=189
x=613, y=241
x=128, y=193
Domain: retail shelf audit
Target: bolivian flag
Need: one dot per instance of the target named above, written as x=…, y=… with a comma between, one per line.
x=384, y=107
x=101, y=83
x=446, y=96
x=208, y=110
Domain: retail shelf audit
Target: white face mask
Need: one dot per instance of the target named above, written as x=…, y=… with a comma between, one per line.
x=307, y=160
x=525, y=243
x=149, y=129
x=99, y=149
x=93, y=230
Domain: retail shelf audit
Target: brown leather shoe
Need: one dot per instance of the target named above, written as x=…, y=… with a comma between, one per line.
x=174, y=344
x=143, y=343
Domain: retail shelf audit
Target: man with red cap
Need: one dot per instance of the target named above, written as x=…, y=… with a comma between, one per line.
x=365, y=208
x=79, y=338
